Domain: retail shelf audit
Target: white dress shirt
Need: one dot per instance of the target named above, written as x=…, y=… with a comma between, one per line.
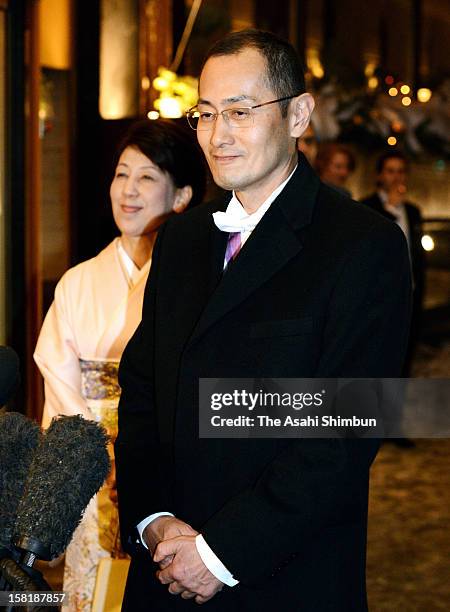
x=234, y=219
x=399, y=212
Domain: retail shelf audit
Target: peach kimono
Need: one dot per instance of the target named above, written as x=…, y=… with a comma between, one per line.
x=96, y=310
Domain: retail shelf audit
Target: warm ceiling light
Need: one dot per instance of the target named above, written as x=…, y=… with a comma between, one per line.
x=369, y=69
x=170, y=108
x=372, y=82
x=160, y=84
x=406, y=101
x=392, y=141
x=393, y=91
x=314, y=64
x=153, y=115
x=405, y=89
x=427, y=242
x=424, y=94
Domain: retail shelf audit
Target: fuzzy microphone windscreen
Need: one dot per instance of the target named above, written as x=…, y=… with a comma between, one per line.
x=19, y=438
x=68, y=468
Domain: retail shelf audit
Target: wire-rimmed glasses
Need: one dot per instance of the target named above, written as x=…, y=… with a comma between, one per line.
x=238, y=117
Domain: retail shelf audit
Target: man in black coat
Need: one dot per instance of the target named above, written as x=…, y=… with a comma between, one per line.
x=390, y=201
x=283, y=277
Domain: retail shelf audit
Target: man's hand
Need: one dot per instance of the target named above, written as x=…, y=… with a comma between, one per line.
x=165, y=528
x=187, y=574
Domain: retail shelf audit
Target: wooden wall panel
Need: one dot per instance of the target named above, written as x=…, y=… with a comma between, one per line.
x=33, y=209
x=155, y=45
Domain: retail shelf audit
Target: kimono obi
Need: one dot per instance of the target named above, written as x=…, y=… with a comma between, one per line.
x=100, y=388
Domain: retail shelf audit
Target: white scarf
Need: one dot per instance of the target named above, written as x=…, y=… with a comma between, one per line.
x=235, y=219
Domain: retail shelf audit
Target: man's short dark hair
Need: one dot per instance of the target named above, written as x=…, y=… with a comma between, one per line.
x=284, y=72
x=379, y=166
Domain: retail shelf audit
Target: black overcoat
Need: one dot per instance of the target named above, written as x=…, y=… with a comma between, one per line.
x=321, y=288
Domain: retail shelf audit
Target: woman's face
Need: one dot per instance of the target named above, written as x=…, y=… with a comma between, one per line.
x=338, y=170
x=142, y=195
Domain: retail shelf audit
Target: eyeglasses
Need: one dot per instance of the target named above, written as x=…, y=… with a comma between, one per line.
x=235, y=117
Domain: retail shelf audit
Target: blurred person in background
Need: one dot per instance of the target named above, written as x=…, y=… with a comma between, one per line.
x=96, y=309
x=334, y=164
x=390, y=200
x=307, y=144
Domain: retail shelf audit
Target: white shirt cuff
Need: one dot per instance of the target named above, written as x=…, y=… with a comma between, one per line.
x=213, y=563
x=143, y=524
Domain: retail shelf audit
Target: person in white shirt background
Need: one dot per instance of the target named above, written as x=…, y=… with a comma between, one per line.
x=390, y=200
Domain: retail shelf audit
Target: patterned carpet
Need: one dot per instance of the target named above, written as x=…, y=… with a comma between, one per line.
x=408, y=564
x=408, y=557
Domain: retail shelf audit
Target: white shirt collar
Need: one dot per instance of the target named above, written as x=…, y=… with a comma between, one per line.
x=394, y=210
x=130, y=267
x=235, y=219
x=398, y=212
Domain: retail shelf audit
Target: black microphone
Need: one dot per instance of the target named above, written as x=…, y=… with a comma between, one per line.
x=68, y=468
x=9, y=373
x=19, y=438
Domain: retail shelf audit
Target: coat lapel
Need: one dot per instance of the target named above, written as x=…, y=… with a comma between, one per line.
x=218, y=246
x=273, y=243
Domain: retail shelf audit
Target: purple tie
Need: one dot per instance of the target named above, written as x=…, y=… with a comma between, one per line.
x=233, y=246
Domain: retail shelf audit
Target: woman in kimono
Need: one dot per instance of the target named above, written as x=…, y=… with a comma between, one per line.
x=96, y=309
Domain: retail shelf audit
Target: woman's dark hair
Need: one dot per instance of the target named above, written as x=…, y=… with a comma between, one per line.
x=172, y=148
x=284, y=72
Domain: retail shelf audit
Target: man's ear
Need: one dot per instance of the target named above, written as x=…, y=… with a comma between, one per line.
x=301, y=109
x=183, y=196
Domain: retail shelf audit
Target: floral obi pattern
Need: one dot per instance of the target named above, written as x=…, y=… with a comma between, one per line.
x=100, y=389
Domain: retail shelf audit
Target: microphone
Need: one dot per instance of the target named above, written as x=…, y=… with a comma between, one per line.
x=9, y=373
x=68, y=468
x=19, y=438
x=19, y=579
